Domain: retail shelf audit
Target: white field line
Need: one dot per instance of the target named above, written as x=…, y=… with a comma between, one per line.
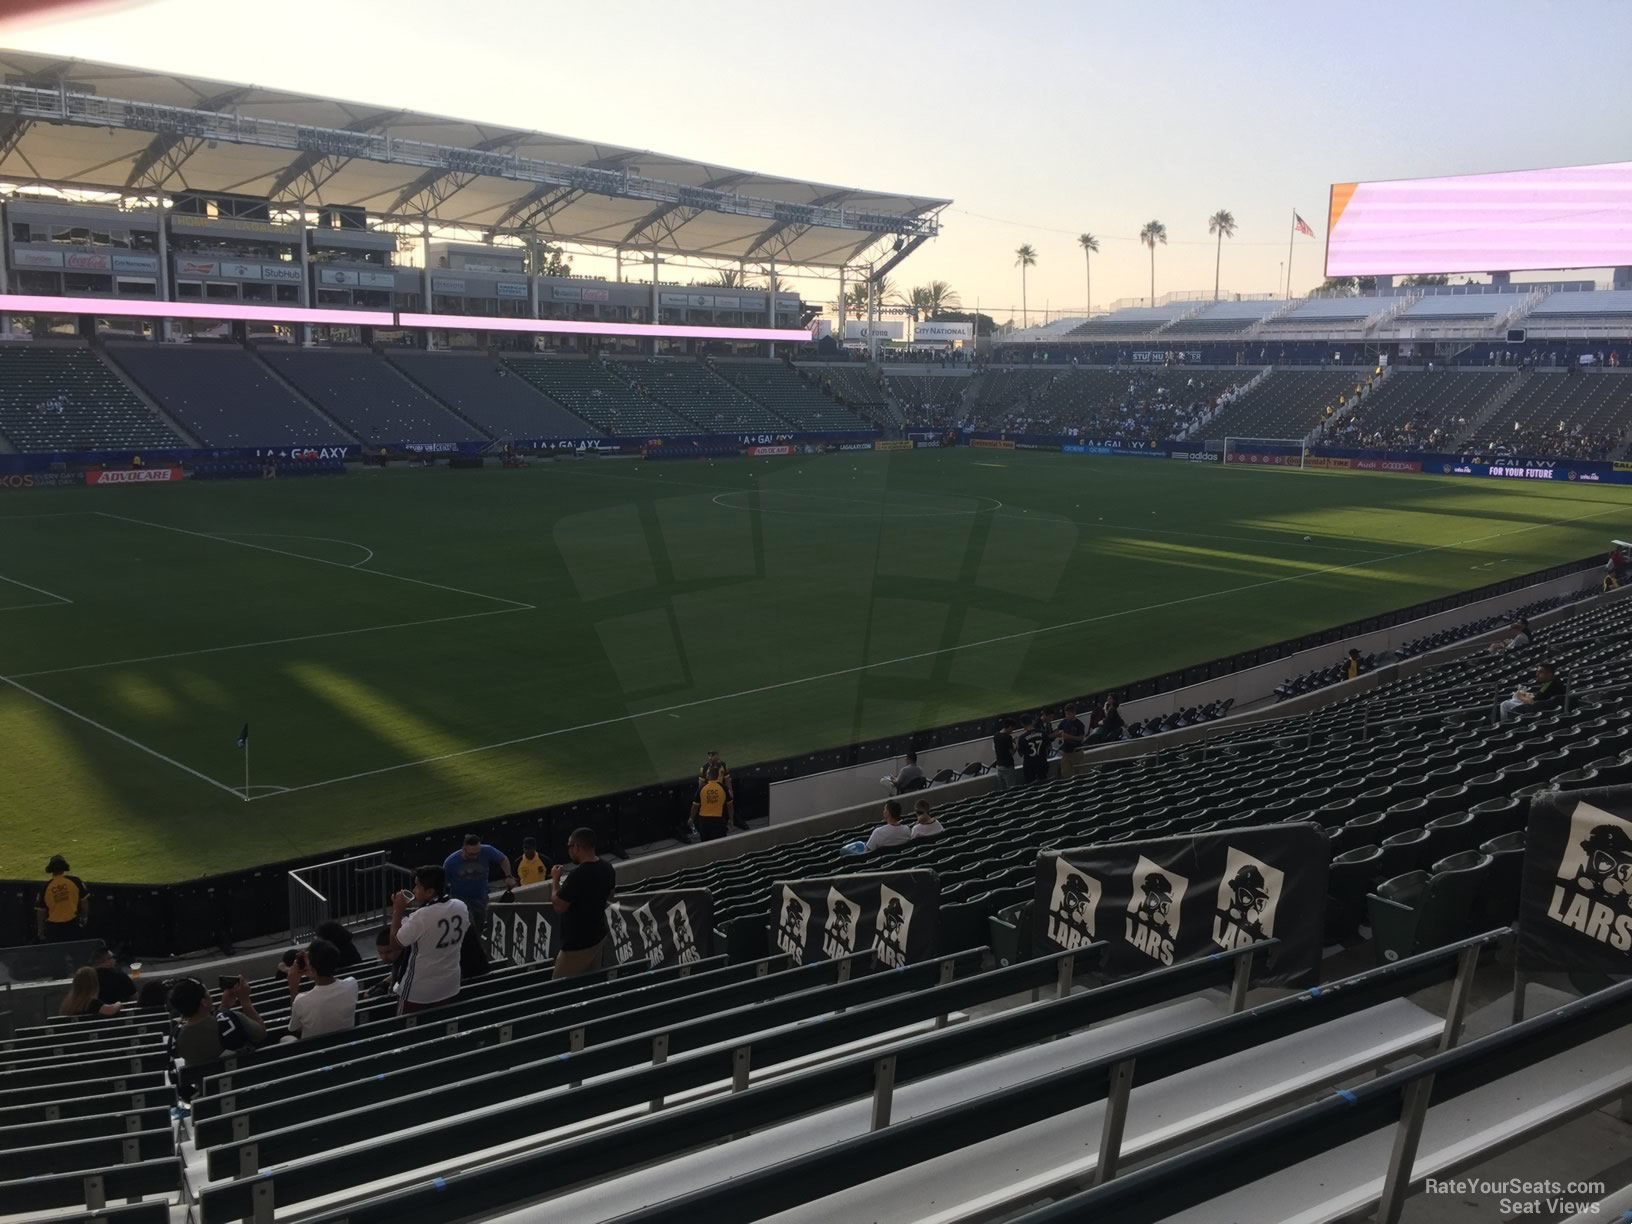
x=927, y=654
x=284, y=535
x=119, y=735
x=304, y=637
x=221, y=539
x=24, y=607
x=37, y=591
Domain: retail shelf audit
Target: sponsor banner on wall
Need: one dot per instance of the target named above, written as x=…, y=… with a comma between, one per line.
x=337, y=276
x=1192, y=456
x=240, y=271
x=36, y=259
x=858, y=446
x=882, y=329
x=87, y=261
x=895, y=913
x=136, y=263
x=772, y=450
x=1096, y=448
x=1160, y=356
x=447, y=284
x=943, y=333
x=1575, y=900
x=1172, y=899
x=892, y=444
x=509, y=289
x=992, y=443
x=287, y=274
x=597, y=295
x=144, y=475
x=1329, y=461
x=765, y=439
x=1388, y=465
x=376, y=280
x=196, y=267
x=12, y=481
x=1263, y=459
x=566, y=293
x=658, y=928
x=307, y=453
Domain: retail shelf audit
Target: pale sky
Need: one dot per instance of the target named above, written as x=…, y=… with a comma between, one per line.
x=1038, y=118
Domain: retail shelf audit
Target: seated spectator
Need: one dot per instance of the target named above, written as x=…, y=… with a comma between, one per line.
x=908, y=778
x=1110, y=725
x=341, y=939
x=1548, y=691
x=82, y=999
x=1521, y=638
x=391, y=954
x=155, y=995
x=330, y=1006
x=207, y=1032
x=113, y=984
x=891, y=833
x=1351, y=664
x=924, y=823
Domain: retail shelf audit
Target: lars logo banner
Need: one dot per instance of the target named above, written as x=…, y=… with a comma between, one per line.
x=1153, y=911
x=1593, y=895
x=1247, y=897
x=1071, y=906
x=685, y=939
x=623, y=947
x=839, y=932
x=893, y=922
x=651, y=940
x=793, y=922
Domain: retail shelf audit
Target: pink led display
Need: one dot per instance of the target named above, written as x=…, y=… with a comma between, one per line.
x=1569, y=217
x=210, y=312
x=575, y=327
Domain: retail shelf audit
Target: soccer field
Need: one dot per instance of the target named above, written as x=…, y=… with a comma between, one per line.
x=416, y=648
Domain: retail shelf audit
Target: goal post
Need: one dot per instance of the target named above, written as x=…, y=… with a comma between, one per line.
x=1266, y=452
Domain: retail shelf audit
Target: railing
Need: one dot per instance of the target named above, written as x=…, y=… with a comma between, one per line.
x=347, y=890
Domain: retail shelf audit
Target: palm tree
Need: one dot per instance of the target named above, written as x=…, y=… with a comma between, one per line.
x=856, y=296
x=1090, y=248
x=1025, y=256
x=1221, y=223
x=1150, y=235
x=928, y=301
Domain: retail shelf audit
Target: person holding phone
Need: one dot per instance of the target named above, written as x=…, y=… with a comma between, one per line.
x=205, y=1032
x=330, y=1006
x=431, y=935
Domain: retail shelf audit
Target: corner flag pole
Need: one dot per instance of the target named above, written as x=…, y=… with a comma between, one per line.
x=243, y=746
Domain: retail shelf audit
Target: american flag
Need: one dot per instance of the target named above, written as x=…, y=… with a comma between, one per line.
x=1302, y=226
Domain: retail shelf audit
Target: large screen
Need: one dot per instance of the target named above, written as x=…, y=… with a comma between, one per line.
x=1571, y=217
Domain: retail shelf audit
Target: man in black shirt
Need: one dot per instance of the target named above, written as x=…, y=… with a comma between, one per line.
x=1072, y=734
x=1003, y=747
x=581, y=900
x=113, y=984
x=1034, y=750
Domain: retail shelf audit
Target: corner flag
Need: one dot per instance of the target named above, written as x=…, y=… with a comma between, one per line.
x=243, y=737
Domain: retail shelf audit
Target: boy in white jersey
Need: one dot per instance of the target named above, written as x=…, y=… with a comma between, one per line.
x=431, y=935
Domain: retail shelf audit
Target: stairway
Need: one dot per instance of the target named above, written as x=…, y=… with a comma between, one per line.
x=300, y=396
x=1509, y=388
x=140, y=392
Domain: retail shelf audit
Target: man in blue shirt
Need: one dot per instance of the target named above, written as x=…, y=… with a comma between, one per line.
x=469, y=870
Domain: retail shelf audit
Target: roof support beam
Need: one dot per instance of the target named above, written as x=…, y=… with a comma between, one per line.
x=784, y=234
x=162, y=160
x=301, y=178
x=900, y=253
x=537, y=206
x=12, y=129
x=432, y=189
x=659, y=222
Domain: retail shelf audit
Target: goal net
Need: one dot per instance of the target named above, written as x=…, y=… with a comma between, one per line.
x=1266, y=452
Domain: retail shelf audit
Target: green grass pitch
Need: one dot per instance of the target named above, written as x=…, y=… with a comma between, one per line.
x=416, y=648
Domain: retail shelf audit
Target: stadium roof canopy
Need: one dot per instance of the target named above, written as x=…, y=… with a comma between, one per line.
x=77, y=124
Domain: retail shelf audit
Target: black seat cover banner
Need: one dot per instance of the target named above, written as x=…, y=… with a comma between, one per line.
x=660, y=928
x=896, y=913
x=1171, y=899
x=1575, y=911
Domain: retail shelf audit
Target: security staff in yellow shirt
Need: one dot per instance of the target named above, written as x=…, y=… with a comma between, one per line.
x=713, y=808
x=61, y=903
x=532, y=867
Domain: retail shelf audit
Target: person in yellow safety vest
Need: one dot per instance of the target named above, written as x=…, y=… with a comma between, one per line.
x=532, y=867
x=61, y=903
x=713, y=807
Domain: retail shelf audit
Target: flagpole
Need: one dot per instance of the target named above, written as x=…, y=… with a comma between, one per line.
x=1293, y=233
x=246, y=769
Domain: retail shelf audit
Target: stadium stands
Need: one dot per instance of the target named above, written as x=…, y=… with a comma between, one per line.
x=855, y=388
x=484, y=392
x=600, y=395
x=1330, y=314
x=1558, y=311
x=690, y=388
x=375, y=402
x=1133, y=321
x=224, y=395
x=928, y=399
x=1562, y=414
x=1418, y=410
x=63, y=398
x=1462, y=306
x=1226, y=318
x=1287, y=404
x=796, y=401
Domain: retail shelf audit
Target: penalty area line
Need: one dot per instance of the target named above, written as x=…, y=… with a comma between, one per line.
x=235, y=792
